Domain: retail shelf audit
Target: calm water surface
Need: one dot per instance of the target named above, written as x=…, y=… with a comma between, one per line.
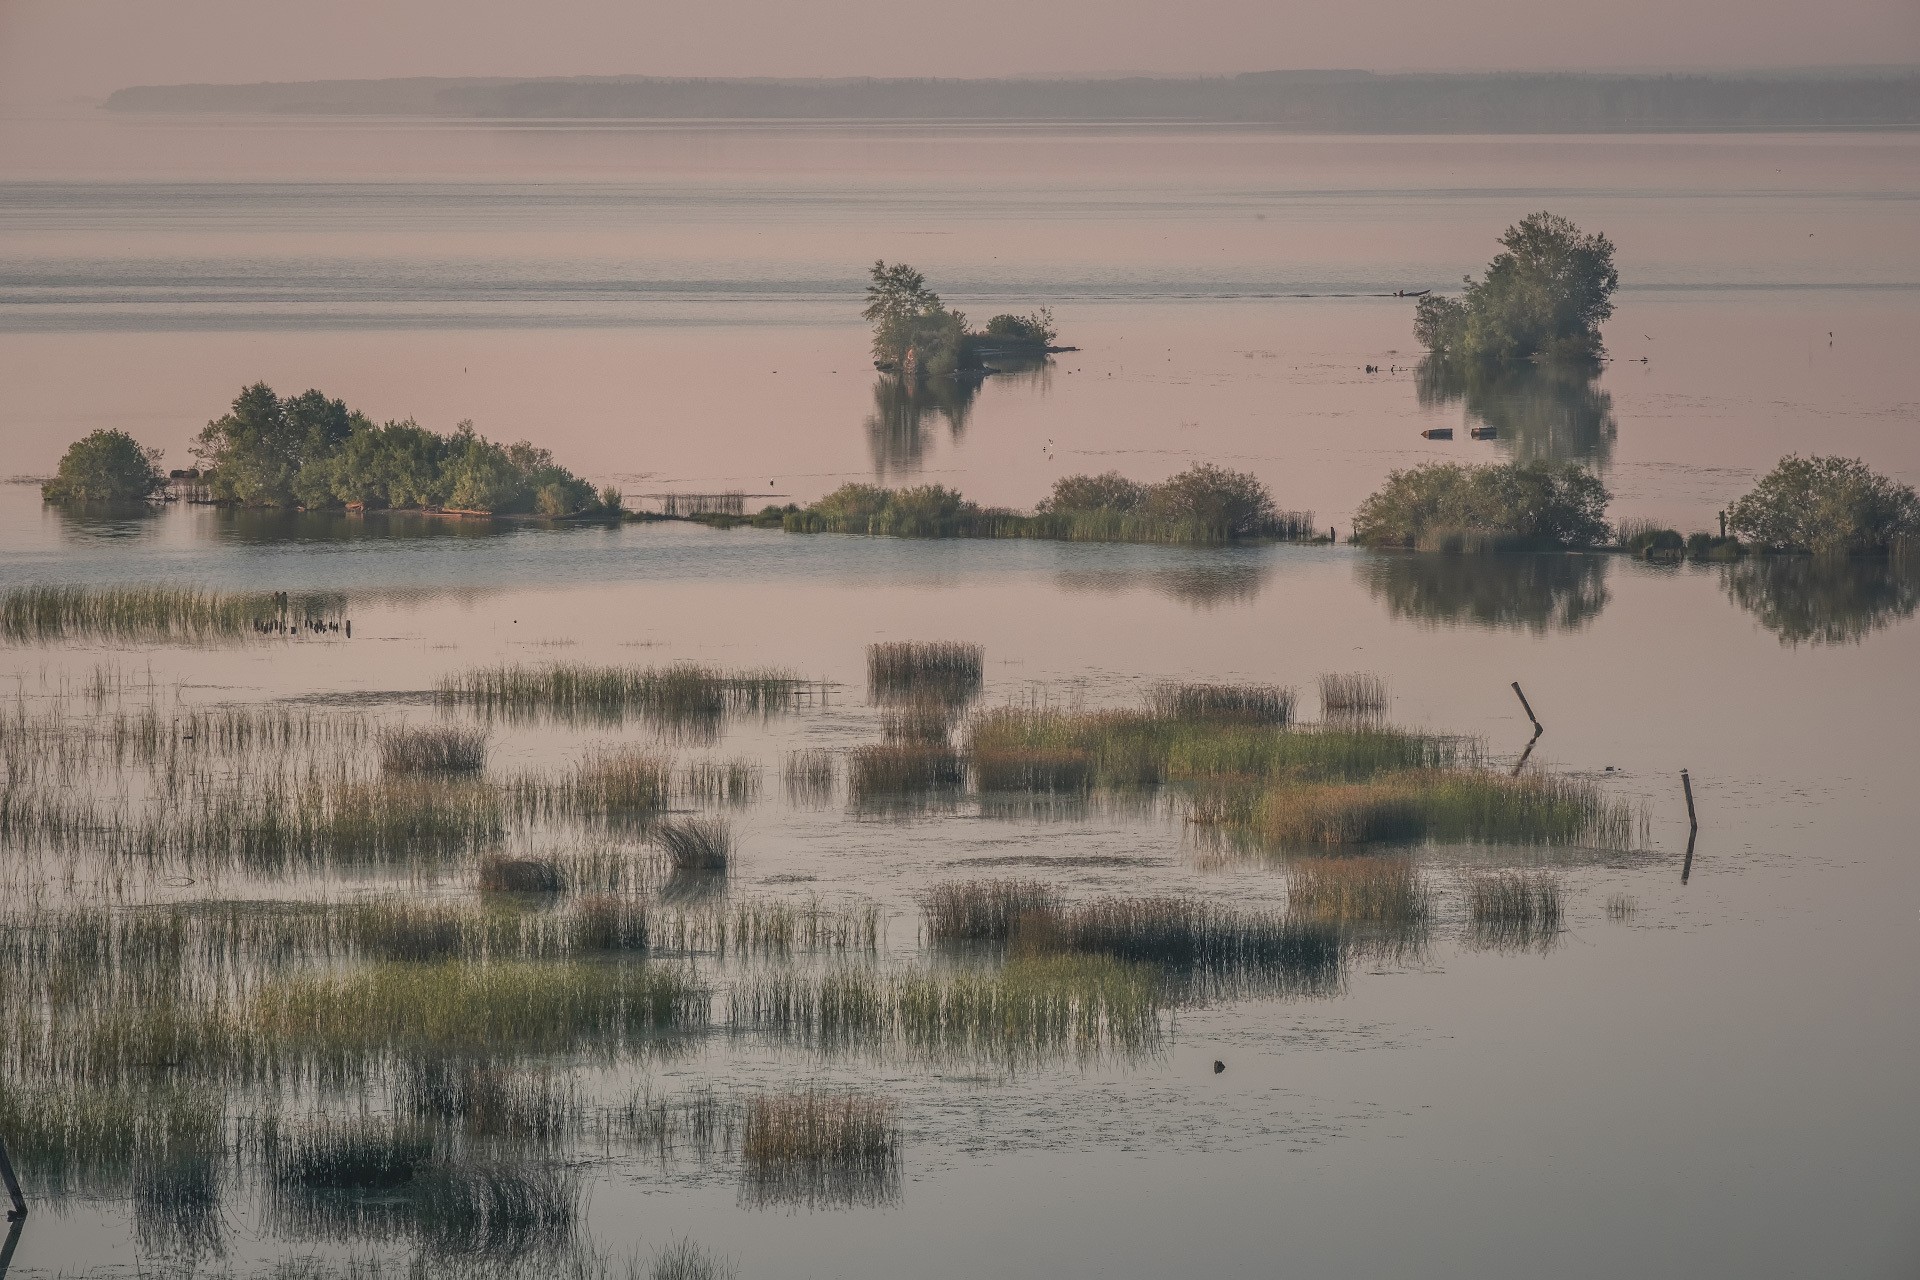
x=1723, y=1085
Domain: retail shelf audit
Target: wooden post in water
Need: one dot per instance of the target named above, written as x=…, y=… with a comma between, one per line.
x=13, y=1239
x=19, y=1210
x=1527, y=706
x=1693, y=826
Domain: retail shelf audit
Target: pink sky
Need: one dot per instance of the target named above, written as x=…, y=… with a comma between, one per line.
x=66, y=50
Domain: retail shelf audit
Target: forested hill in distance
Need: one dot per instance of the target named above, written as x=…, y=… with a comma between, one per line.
x=1308, y=101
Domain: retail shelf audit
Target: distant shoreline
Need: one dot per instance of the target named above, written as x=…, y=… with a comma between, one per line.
x=1313, y=102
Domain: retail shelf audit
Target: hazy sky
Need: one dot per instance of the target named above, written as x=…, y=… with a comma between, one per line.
x=70, y=49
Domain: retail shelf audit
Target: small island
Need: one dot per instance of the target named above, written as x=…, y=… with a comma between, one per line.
x=917, y=337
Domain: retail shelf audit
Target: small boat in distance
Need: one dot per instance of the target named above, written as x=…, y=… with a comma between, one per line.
x=1411, y=293
x=1485, y=433
x=1437, y=433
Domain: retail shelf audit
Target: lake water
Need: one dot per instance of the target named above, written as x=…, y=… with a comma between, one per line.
x=1721, y=1083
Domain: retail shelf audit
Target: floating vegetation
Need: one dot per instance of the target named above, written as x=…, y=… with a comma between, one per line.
x=436, y=749
x=809, y=775
x=1513, y=910
x=1241, y=703
x=924, y=670
x=159, y=613
x=697, y=844
x=820, y=1148
x=875, y=773
x=682, y=697
x=1354, y=693
x=984, y=910
x=1446, y=805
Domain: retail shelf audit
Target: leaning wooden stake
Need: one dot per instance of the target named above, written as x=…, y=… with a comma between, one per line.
x=1527, y=706
x=1693, y=825
x=19, y=1209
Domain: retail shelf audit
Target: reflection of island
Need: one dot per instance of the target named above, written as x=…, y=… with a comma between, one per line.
x=1199, y=586
x=1538, y=593
x=1822, y=600
x=905, y=410
x=1541, y=412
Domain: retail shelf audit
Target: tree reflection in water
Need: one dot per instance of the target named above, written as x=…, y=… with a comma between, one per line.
x=1542, y=412
x=1820, y=600
x=1537, y=593
x=905, y=410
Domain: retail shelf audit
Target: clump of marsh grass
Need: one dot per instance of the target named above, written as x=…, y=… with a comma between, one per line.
x=501, y=874
x=489, y=1101
x=1379, y=901
x=817, y=1147
x=878, y=772
x=809, y=776
x=435, y=749
x=721, y=782
x=608, y=922
x=920, y=722
x=1433, y=804
x=72, y=1139
x=685, y=1260
x=1354, y=694
x=1239, y=703
x=697, y=844
x=757, y=927
x=362, y=1153
x=449, y=1208
x=984, y=910
x=1621, y=908
x=1051, y=771
x=164, y=613
x=1222, y=950
x=1513, y=910
x=946, y=671
x=682, y=697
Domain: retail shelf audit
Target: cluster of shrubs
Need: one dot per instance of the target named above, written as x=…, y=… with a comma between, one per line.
x=918, y=336
x=310, y=451
x=1544, y=298
x=1203, y=504
x=1822, y=506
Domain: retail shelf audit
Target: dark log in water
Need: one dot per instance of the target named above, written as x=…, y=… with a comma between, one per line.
x=19, y=1209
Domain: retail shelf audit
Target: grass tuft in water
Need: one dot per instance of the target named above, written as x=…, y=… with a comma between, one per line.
x=924, y=670
x=809, y=776
x=438, y=749
x=697, y=844
x=1238, y=703
x=984, y=910
x=683, y=697
x=1514, y=910
x=165, y=613
x=820, y=1148
x=875, y=773
x=1353, y=693
x=501, y=874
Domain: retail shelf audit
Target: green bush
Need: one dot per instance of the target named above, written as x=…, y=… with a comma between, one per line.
x=1828, y=506
x=1448, y=507
x=314, y=452
x=1546, y=296
x=1032, y=333
x=106, y=466
x=1109, y=491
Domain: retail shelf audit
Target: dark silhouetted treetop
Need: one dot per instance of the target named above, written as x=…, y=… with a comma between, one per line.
x=1545, y=297
x=313, y=452
x=1444, y=506
x=106, y=466
x=1829, y=506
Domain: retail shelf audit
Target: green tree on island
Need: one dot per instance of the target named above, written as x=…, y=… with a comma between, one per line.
x=1544, y=298
x=107, y=466
x=1828, y=506
x=917, y=336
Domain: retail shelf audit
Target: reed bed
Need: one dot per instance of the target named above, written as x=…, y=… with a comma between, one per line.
x=1379, y=889
x=97, y=1142
x=809, y=777
x=1221, y=950
x=878, y=772
x=1353, y=693
x=984, y=910
x=159, y=613
x=501, y=874
x=433, y=749
x=757, y=927
x=609, y=787
x=1044, y=770
x=482, y=1100
x=360, y=1153
x=1238, y=703
x=820, y=1148
x=1622, y=907
x=1453, y=806
x=1031, y=1010
x=924, y=670
x=68, y=740
x=922, y=722
x=697, y=844
x=720, y=782
x=699, y=1120
x=1514, y=910
x=448, y=1208
x=685, y=696
x=1124, y=749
